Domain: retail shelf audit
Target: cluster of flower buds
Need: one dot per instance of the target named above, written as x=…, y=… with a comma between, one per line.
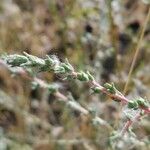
x=50, y=63
x=84, y=76
x=137, y=103
x=110, y=88
x=16, y=60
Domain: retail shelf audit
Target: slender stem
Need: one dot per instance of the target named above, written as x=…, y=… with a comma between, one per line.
x=134, y=61
x=137, y=51
x=129, y=123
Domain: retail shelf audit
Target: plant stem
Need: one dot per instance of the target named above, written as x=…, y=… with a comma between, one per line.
x=61, y=97
x=137, y=51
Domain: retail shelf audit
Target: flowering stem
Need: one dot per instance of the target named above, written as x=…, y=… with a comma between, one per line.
x=61, y=97
x=51, y=63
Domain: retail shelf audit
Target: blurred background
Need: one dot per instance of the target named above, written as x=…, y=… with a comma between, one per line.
x=96, y=35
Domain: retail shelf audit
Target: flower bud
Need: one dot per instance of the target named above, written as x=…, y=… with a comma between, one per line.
x=96, y=89
x=90, y=76
x=33, y=60
x=67, y=66
x=132, y=104
x=16, y=60
x=59, y=69
x=110, y=88
x=49, y=60
x=82, y=76
x=142, y=102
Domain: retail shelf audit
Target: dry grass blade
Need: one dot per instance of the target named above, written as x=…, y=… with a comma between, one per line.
x=137, y=51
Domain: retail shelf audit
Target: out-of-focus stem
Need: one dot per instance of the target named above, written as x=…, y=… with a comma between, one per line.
x=129, y=123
